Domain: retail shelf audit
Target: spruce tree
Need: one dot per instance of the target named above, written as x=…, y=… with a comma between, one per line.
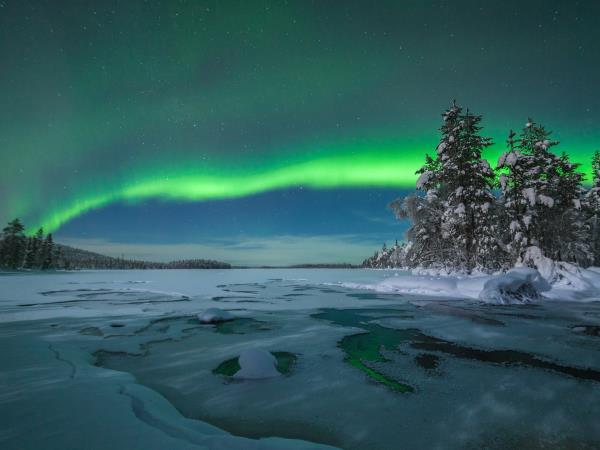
x=468, y=200
x=47, y=253
x=593, y=208
x=514, y=203
x=566, y=235
x=452, y=223
x=13, y=245
x=33, y=256
x=425, y=245
x=29, y=254
x=541, y=196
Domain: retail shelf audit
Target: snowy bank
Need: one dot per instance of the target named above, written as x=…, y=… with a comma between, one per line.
x=518, y=285
x=556, y=281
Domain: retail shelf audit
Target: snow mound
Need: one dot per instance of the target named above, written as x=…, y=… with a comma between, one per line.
x=558, y=273
x=256, y=363
x=517, y=285
x=521, y=284
x=215, y=315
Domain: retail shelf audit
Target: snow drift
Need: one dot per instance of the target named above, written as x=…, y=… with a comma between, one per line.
x=215, y=315
x=550, y=280
x=517, y=285
x=256, y=363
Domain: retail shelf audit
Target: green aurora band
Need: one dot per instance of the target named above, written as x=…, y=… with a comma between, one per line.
x=108, y=102
x=388, y=165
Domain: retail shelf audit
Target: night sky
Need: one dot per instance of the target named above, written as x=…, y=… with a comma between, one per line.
x=267, y=132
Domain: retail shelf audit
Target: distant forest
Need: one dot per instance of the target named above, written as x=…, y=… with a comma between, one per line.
x=467, y=216
x=39, y=252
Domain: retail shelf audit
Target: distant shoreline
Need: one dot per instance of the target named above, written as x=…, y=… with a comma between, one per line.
x=80, y=269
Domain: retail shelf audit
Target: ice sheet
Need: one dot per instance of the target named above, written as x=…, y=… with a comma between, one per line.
x=102, y=359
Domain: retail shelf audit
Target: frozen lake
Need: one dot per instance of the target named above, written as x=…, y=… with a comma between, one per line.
x=119, y=359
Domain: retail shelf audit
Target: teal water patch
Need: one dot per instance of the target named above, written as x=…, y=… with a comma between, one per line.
x=427, y=361
x=364, y=348
x=241, y=326
x=372, y=296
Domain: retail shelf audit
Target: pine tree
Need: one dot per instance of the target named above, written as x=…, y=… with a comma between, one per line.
x=425, y=245
x=13, y=245
x=541, y=195
x=468, y=200
x=593, y=208
x=453, y=222
x=514, y=205
x=34, y=249
x=29, y=254
x=477, y=180
x=47, y=253
x=566, y=234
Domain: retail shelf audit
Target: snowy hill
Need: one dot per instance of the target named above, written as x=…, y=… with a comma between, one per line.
x=76, y=258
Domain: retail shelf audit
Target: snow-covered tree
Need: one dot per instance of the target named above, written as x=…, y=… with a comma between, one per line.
x=425, y=245
x=387, y=257
x=541, y=196
x=566, y=236
x=13, y=245
x=592, y=205
x=451, y=223
x=34, y=250
x=47, y=253
x=524, y=186
x=457, y=223
x=470, y=203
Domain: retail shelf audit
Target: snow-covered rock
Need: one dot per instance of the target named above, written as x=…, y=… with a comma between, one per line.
x=517, y=285
x=215, y=315
x=256, y=363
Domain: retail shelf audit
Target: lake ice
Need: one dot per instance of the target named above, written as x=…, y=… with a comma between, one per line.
x=366, y=359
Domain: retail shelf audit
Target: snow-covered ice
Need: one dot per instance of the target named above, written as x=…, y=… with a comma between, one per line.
x=90, y=362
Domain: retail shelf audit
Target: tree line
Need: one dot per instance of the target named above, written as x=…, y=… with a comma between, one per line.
x=469, y=216
x=39, y=252
x=20, y=251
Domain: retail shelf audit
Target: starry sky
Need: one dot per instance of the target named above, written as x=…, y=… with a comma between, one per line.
x=267, y=132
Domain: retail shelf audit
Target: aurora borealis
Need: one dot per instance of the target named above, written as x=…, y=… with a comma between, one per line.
x=129, y=102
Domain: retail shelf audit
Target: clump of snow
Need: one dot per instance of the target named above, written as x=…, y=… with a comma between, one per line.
x=558, y=273
x=546, y=201
x=503, y=181
x=529, y=194
x=424, y=179
x=256, y=363
x=569, y=282
x=517, y=285
x=215, y=315
x=535, y=258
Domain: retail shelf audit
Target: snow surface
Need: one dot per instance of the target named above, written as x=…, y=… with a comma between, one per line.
x=90, y=362
x=518, y=285
x=552, y=281
x=256, y=363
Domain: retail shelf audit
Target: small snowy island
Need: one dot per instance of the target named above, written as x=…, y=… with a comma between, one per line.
x=532, y=211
